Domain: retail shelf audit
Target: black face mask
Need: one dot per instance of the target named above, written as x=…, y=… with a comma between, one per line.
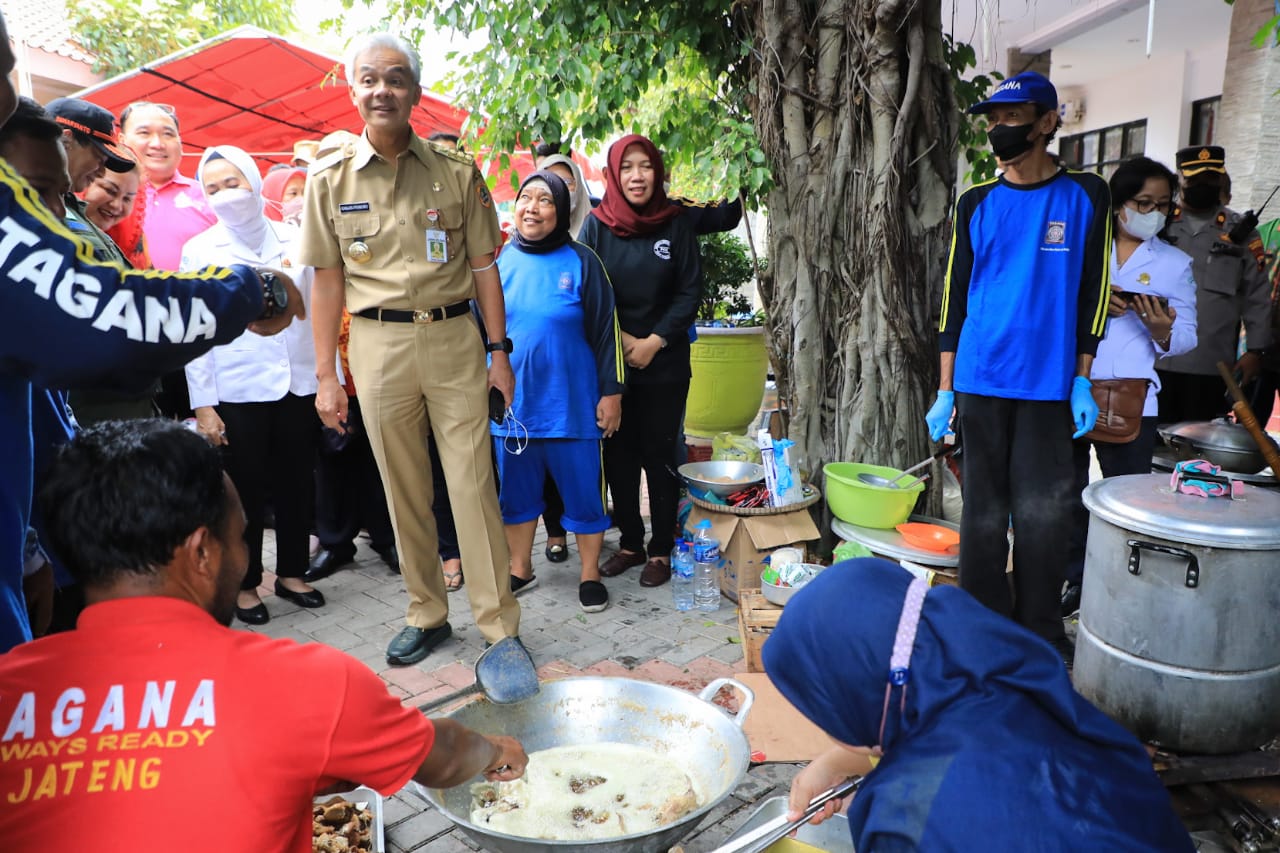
x=1201, y=196
x=1009, y=141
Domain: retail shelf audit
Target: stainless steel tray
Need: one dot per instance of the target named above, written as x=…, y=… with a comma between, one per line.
x=374, y=799
x=889, y=543
x=831, y=835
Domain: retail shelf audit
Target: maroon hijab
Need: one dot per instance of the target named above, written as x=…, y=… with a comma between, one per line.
x=618, y=214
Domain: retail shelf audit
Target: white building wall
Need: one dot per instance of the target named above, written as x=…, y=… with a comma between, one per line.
x=1161, y=90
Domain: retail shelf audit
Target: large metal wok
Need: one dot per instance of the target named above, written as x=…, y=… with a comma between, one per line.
x=708, y=743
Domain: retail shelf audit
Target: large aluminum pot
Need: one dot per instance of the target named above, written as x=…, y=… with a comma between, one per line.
x=708, y=743
x=1178, y=637
x=1228, y=445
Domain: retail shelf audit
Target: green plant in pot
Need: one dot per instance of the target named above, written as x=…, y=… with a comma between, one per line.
x=729, y=359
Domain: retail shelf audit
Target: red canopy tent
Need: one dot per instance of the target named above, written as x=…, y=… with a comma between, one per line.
x=263, y=92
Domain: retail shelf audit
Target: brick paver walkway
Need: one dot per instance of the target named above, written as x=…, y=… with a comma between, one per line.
x=639, y=636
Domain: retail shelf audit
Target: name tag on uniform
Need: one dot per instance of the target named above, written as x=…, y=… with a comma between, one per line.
x=437, y=246
x=353, y=207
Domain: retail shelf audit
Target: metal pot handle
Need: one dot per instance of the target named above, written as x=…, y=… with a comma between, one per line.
x=1135, y=552
x=709, y=692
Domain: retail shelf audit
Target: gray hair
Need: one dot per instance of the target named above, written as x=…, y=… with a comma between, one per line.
x=390, y=40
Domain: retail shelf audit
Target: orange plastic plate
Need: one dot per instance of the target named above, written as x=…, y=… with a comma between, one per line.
x=930, y=537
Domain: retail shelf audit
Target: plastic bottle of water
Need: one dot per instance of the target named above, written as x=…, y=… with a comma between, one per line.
x=706, y=558
x=682, y=575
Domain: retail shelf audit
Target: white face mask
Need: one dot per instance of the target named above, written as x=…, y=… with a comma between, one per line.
x=1142, y=226
x=235, y=207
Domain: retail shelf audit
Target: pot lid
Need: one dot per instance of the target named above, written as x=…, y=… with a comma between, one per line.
x=1215, y=435
x=1144, y=503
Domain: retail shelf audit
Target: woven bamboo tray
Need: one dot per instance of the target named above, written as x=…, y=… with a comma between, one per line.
x=811, y=497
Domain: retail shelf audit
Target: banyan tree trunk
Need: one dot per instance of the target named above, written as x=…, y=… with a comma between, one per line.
x=856, y=114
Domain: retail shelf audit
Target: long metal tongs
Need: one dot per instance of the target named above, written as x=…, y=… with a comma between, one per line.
x=759, y=839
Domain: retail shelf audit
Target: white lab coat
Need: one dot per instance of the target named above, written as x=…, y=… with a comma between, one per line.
x=254, y=368
x=1127, y=351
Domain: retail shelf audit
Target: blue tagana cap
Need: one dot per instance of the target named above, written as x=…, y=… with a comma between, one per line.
x=1029, y=87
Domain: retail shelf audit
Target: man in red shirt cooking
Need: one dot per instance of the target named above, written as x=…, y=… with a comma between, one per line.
x=153, y=726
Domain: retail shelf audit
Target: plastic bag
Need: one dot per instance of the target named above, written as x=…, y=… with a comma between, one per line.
x=850, y=550
x=727, y=447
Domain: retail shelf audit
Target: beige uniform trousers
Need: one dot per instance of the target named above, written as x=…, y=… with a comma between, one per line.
x=416, y=379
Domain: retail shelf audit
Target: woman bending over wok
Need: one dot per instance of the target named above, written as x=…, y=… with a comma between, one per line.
x=983, y=744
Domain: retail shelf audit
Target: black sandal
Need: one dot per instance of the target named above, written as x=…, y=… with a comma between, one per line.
x=557, y=553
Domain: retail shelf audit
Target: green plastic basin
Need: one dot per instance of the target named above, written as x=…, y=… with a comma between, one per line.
x=865, y=505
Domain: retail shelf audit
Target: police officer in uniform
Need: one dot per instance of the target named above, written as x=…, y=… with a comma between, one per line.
x=1231, y=287
x=411, y=227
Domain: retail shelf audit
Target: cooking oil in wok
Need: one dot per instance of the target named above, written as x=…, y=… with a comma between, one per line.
x=602, y=790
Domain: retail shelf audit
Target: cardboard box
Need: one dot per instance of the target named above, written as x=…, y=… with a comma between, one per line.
x=745, y=540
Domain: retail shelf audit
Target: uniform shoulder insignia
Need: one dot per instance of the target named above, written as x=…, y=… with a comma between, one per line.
x=1259, y=251
x=329, y=160
x=452, y=153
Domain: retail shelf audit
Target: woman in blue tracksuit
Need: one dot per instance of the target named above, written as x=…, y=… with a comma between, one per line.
x=560, y=318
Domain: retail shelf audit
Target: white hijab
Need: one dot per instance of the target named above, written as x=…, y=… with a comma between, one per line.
x=253, y=232
x=579, y=199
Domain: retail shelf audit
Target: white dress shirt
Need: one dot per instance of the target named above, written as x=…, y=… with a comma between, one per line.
x=254, y=368
x=1127, y=351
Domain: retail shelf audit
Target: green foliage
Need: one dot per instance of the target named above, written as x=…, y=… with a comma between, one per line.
x=726, y=267
x=125, y=34
x=972, y=136
x=584, y=71
x=1269, y=34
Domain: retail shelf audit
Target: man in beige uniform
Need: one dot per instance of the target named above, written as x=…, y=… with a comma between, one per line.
x=412, y=228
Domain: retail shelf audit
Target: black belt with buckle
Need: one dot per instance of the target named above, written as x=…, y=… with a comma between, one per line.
x=431, y=315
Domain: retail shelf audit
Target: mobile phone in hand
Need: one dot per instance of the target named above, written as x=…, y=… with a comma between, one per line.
x=1128, y=297
x=497, y=406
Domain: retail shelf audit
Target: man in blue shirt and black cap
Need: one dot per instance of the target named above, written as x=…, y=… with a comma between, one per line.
x=1023, y=310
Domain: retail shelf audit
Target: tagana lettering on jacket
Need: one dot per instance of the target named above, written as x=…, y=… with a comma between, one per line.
x=114, y=743
x=24, y=261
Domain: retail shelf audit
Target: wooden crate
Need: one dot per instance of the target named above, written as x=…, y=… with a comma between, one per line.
x=757, y=618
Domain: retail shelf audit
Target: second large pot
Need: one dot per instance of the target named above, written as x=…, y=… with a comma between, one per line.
x=1178, y=637
x=708, y=743
x=1228, y=445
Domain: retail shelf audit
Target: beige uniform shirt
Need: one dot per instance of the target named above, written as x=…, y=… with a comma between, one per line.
x=372, y=217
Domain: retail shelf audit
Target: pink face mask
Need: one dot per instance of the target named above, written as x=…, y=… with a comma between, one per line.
x=900, y=661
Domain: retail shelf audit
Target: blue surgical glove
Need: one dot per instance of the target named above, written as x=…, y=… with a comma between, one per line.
x=1084, y=409
x=939, y=416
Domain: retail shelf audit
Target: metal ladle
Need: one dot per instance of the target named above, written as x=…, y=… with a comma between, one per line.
x=886, y=483
x=950, y=444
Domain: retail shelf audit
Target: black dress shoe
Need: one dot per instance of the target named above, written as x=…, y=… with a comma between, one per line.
x=1071, y=599
x=314, y=598
x=413, y=644
x=390, y=556
x=256, y=615
x=326, y=563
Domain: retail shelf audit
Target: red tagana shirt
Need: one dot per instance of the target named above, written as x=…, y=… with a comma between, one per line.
x=152, y=727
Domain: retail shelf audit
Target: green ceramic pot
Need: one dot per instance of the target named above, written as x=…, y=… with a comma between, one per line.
x=729, y=371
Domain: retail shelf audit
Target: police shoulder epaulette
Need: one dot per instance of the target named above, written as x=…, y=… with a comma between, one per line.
x=452, y=153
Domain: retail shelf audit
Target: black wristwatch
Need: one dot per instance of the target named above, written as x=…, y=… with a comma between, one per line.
x=501, y=346
x=275, y=297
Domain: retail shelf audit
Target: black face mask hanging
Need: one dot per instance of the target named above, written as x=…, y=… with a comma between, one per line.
x=1009, y=141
